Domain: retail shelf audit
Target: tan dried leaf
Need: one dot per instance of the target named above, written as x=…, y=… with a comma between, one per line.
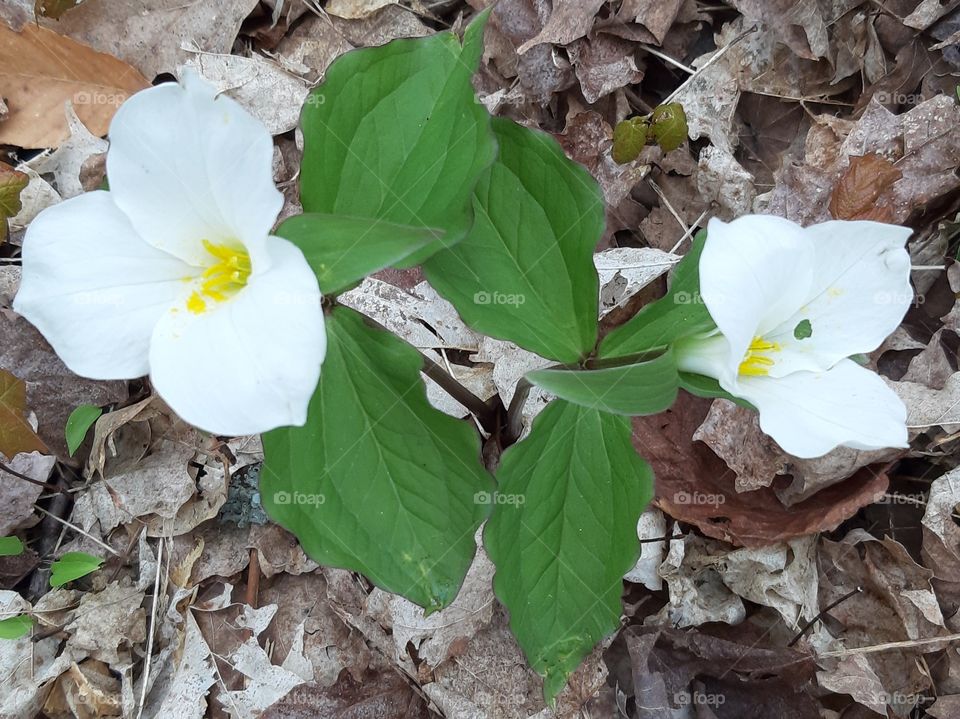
x=41, y=70
x=857, y=196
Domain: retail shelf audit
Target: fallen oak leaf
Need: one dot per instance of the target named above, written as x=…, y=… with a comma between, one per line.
x=858, y=193
x=41, y=70
x=16, y=434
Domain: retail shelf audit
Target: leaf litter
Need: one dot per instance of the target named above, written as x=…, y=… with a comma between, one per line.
x=767, y=585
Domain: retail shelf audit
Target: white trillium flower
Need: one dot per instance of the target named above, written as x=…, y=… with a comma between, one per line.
x=174, y=272
x=791, y=306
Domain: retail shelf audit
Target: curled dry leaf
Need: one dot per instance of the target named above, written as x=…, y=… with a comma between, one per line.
x=41, y=70
x=861, y=193
x=12, y=183
x=16, y=434
x=694, y=485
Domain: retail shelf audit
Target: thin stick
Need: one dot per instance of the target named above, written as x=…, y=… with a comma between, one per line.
x=77, y=529
x=716, y=56
x=253, y=579
x=666, y=58
x=25, y=478
x=153, y=625
x=890, y=645
x=817, y=618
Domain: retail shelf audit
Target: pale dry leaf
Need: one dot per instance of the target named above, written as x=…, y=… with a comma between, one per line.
x=655, y=15
x=696, y=590
x=265, y=90
x=179, y=691
x=725, y=182
x=41, y=70
x=67, y=161
x=928, y=12
x=16, y=510
x=941, y=534
x=853, y=675
x=37, y=196
x=155, y=485
x=624, y=271
x=651, y=525
x=356, y=9
x=26, y=667
x=108, y=624
x=928, y=407
x=156, y=36
x=603, y=64
x=268, y=683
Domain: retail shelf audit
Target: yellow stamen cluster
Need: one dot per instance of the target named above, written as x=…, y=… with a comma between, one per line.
x=756, y=363
x=223, y=279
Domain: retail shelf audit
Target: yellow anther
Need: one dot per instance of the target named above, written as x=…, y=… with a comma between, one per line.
x=223, y=279
x=755, y=362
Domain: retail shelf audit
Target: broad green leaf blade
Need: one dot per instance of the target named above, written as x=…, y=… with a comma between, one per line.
x=395, y=133
x=564, y=532
x=378, y=481
x=344, y=250
x=15, y=627
x=635, y=389
x=79, y=423
x=681, y=313
x=10, y=546
x=73, y=565
x=525, y=271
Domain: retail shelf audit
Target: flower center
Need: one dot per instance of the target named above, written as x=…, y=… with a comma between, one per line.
x=756, y=362
x=223, y=279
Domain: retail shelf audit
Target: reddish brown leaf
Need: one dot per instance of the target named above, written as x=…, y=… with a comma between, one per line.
x=858, y=194
x=12, y=183
x=694, y=485
x=16, y=434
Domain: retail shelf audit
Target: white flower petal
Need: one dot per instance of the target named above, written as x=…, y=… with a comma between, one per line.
x=187, y=166
x=755, y=272
x=810, y=413
x=93, y=288
x=251, y=363
x=861, y=291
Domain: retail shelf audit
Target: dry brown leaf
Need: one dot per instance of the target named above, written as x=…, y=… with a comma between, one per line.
x=569, y=20
x=41, y=70
x=694, y=485
x=54, y=8
x=155, y=35
x=356, y=9
x=16, y=434
x=857, y=196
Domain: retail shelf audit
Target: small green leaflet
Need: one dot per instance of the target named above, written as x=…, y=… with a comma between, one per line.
x=668, y=126
x=378, y=481
x=633, y=389
x=803, y=330
x=681, y=313
x=629, y=139
x=344, y=250
x=15, y=627
x=395, y=133
x=10, y=546
x=564, y=532
x=73, y=565
x=525, y=271
x=79, y=423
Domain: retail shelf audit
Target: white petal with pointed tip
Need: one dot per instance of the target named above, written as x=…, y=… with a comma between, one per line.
x=810, y=413
x=249, y=364
x=860, y=294
x=187, y=166
x=755, y=272
x=93, y=288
